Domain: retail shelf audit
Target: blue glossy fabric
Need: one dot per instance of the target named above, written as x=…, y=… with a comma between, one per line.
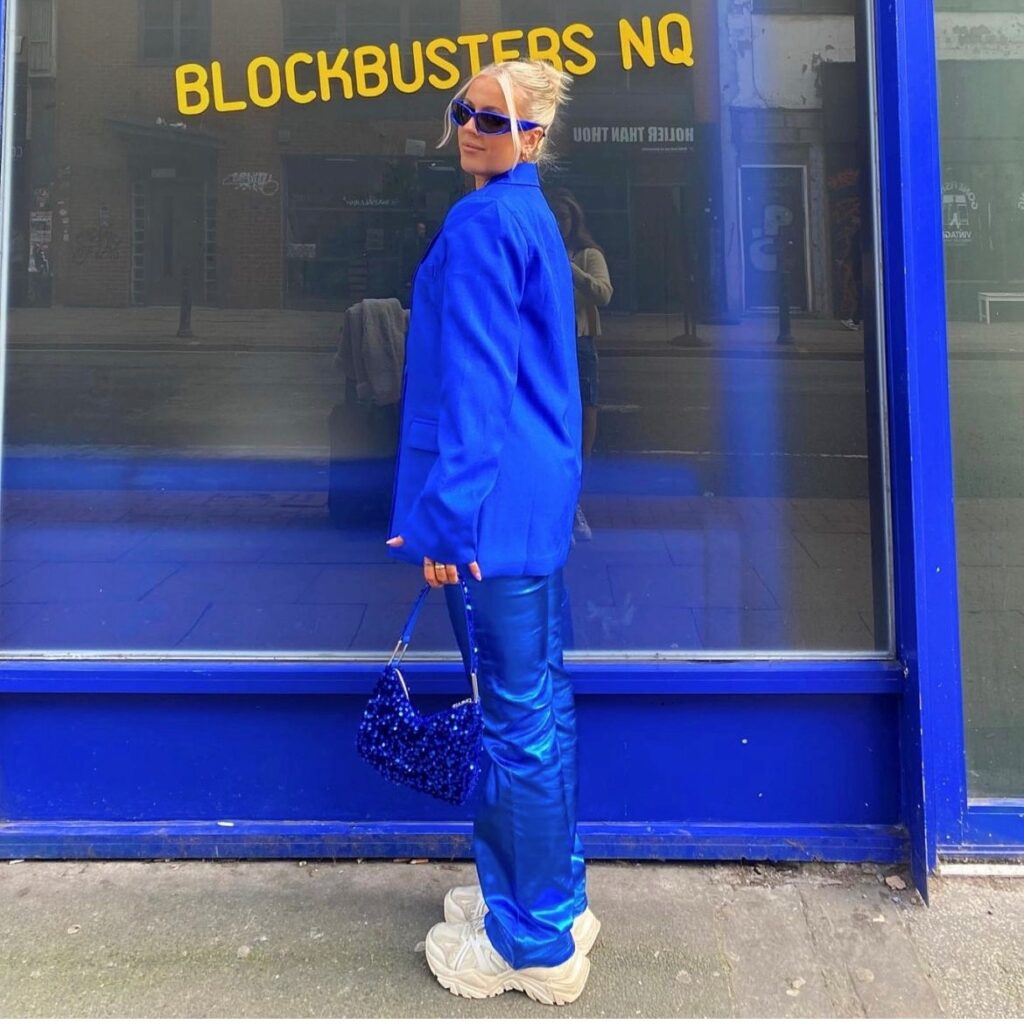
x=489, y=454
x=529, y=858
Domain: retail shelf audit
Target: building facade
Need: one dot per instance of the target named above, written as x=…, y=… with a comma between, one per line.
x=795, y=626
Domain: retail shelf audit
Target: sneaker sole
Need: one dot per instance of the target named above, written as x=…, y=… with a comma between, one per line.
x=584, y=936
x=475, y=985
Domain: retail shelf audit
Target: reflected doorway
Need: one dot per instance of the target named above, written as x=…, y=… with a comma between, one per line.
x=174, y=239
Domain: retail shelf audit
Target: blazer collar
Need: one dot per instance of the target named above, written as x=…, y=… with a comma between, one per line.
x=522, y=174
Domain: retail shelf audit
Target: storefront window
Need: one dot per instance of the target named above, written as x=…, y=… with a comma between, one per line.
x=981, y=93
x=175, y=29
x=313, y=23
x=204, y=190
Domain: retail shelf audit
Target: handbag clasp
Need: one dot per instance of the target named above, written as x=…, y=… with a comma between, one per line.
x=400, y=648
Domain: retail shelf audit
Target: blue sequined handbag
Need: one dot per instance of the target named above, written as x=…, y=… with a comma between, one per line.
x=437, y=753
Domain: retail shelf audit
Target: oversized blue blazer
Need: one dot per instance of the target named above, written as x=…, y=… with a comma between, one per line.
x=488, y=466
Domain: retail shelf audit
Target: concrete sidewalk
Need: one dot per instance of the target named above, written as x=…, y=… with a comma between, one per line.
x=323, y=939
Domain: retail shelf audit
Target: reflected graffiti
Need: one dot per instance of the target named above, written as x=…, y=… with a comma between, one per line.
x=261, y=182
x=96, y=244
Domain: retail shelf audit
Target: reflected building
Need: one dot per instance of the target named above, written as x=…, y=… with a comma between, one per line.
x=283, y=207
x=693, y=175
x=981, y=57
x=275, y=162
x=315, y=204
x=792, y=136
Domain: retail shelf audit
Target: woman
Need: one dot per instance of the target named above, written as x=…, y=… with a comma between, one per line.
x=487, y=480
x=593, y=288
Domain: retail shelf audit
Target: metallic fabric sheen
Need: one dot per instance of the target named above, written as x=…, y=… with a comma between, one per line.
x=528, y=855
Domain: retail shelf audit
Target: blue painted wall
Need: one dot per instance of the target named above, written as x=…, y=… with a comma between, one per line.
x=737, y=768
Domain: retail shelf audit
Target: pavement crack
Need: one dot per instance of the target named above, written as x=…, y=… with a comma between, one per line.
x=720, y=952
x=905, y=922
x=838, y=1010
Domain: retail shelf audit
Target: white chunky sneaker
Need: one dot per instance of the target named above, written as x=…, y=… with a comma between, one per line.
x=465, y=903
x=463, y=960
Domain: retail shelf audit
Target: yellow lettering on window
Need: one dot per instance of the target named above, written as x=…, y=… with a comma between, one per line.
x=291, y=85
x=217, y=81
x=588, y=55
x=683, y=53
x=272, y=93
x=370, y=65
x=545, y=44
x=630, y=41
x=501, y=51
x=435, y=58
x=190, y=80
x=440, y=62
x=474, y=43
x=335, y=71
x=418, y=76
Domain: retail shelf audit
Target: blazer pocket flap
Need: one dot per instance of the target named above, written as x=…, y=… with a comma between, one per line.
x=423, y=434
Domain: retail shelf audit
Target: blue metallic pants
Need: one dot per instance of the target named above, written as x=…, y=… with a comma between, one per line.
x=528, y=854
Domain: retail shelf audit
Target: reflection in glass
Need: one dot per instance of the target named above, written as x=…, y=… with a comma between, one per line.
x=206, y=334
x=981, y=94
x=175, y=29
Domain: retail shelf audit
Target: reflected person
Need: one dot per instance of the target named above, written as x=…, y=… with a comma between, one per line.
x=592, y=287
x=487, y=482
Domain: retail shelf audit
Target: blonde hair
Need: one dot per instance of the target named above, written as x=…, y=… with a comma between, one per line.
x=534, y=91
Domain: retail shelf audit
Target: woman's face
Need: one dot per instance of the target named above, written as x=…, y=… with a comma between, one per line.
x=484, y=156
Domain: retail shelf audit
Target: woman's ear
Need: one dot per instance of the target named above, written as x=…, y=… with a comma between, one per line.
x=536, y=138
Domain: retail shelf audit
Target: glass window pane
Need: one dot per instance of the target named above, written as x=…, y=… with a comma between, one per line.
x=158, y=14
x=429, y=19
x=158, y=43
x=194, y=461
x=40, y=37
x=981, y=93
x=311, y=23
x=373, y=21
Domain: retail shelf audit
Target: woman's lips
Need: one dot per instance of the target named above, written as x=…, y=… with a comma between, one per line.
x=472, y=149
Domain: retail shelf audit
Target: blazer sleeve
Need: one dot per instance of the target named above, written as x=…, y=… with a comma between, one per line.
x=593, y=279
x=484, y=276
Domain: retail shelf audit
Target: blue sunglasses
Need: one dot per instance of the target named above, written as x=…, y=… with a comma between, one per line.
x=488, y=122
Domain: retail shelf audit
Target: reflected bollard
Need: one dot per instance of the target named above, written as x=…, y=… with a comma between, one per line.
x=785, y=336
x=185, y=313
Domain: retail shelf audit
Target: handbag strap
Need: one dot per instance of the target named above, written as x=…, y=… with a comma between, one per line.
x=405, y=639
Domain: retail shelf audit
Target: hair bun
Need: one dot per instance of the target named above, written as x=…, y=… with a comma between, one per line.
x=559, y=82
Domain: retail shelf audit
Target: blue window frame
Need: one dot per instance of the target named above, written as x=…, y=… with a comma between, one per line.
x=941, y=818
x=906, y=712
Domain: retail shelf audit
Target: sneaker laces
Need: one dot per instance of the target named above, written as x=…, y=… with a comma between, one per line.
x=484, y=956
x=478, y=913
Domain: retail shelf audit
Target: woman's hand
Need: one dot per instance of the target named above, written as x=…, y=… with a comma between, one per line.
x=437, y=574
